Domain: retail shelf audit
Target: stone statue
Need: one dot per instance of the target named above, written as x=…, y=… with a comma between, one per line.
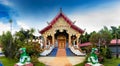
x=93, y=58
x=24, y=58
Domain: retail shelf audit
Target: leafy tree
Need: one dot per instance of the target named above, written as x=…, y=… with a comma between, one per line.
x=94, y=38
x=105, y=36
x=84, y=38
x=7, y=44
x=11, y=44
x=33, y=49
x=115, y=32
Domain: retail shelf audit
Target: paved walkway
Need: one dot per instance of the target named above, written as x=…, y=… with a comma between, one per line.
x=61, y=61
x=61, y=53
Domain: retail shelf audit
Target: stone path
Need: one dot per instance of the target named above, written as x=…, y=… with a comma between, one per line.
x=61, y=59
x=61, y=53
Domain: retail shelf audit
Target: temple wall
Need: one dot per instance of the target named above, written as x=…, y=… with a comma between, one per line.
x=61, y=25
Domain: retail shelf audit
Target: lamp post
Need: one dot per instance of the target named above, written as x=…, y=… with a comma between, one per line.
x=116, y=46
x=99, y=44
x=10, y=21
x=10, y=25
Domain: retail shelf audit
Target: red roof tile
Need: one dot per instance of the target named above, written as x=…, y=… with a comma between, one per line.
x=85, y=44
x=67, y=20
x=113, y=42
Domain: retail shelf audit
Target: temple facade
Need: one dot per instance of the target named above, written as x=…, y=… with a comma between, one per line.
x=61, y=32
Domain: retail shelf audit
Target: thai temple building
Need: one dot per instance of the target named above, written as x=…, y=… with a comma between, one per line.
x=61, y=32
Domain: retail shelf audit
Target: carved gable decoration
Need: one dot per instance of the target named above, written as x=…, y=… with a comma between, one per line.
x=61, y=22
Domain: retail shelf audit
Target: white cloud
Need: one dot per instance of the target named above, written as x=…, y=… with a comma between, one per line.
x=4, y=27
x=22, y=24
x=96, y=18
x=6, y=2
x=28, y=24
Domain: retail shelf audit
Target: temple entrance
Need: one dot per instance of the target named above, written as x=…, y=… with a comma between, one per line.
x=61, y=38
x=61, y=43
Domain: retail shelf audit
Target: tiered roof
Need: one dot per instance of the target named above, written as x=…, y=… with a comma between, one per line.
x=66, y=19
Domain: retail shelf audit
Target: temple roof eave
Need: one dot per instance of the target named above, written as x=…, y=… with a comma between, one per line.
x=66, y=19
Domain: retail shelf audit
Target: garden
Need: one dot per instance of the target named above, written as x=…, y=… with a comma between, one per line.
x=12, y=43
x=101, y=40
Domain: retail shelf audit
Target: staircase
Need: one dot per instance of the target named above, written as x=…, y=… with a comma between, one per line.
x=69, y=52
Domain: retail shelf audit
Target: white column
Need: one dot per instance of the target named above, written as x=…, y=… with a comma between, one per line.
x=77, y=35
x=69, y=39
x=53, y=39
x=45, y=40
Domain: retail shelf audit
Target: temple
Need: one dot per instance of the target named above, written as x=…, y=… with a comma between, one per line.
x=61, y=32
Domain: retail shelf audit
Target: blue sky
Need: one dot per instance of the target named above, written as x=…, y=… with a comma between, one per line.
x=88, y=14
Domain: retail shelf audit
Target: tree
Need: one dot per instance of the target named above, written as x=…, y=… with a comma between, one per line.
x=94, y=38
x=25, y=35
x=115, y=32
x=33, y=48
x=84, y=38
x=102, y=40
x=105, y=36
x=5, y=41
x=18, y=41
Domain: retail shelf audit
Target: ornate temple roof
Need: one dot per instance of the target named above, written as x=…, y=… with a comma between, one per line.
x=61, y=14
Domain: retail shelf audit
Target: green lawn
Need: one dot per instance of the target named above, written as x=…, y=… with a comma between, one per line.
x=7, y=62
x=107, y=62
x=80, y=64
x=112, y=62
x=11, y=62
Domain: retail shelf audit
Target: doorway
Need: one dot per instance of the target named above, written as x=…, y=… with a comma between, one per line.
x=61, y=43
x=62, y=38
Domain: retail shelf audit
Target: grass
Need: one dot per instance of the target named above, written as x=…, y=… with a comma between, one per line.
x=112, y=62
x=107, y=62
x=39, y=64
x=80, y=64
x=10, y=62
x=7, y=61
